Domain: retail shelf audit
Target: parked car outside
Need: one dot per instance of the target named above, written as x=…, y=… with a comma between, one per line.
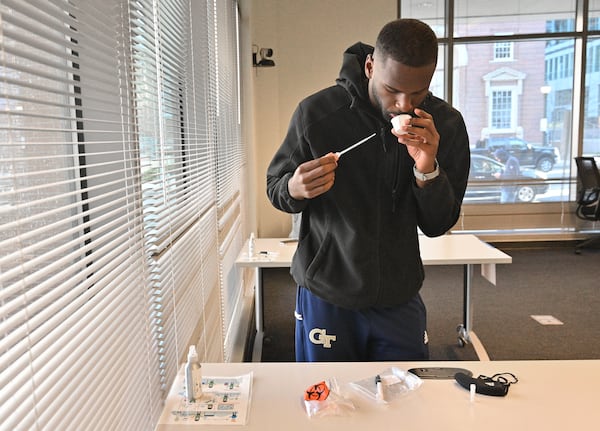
x=537, y=156
x=485, y=187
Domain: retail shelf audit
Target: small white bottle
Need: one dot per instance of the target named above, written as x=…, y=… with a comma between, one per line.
x=193, y=376
x=251, y=246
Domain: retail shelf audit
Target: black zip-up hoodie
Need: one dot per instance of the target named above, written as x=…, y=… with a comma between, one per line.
x=358, y=244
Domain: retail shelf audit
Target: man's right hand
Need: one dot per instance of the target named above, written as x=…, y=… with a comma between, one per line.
x=313, y=178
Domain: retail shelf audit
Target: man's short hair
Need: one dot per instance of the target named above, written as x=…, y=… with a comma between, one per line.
x=408, y=41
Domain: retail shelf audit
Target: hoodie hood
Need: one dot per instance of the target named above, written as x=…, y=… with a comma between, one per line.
x=352, y=74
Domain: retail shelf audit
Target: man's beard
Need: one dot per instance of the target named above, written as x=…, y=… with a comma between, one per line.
x=385, y=114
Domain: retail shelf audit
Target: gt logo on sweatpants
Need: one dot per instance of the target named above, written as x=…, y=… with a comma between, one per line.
x=319, y=336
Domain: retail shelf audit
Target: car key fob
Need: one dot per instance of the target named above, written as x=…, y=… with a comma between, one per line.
x=483, y=385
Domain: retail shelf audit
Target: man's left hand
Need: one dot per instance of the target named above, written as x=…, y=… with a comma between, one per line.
x=421, y=139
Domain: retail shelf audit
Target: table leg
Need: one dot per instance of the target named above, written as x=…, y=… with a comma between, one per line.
x=466, y=334
x=464, y=329
x=259, y=312
x=258, y=300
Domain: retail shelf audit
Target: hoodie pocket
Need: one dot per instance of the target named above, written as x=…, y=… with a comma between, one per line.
x=320, y=256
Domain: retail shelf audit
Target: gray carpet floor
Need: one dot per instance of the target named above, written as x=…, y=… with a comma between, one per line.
x=546, y=280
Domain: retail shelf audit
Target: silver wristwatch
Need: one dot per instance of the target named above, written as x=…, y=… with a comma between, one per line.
x=426, y=177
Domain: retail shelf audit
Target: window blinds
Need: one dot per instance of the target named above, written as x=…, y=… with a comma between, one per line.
x=230, y=159
x=117, y=220
x=71, y=240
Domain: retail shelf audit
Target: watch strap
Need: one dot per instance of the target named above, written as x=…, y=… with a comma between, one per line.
x=426, y=177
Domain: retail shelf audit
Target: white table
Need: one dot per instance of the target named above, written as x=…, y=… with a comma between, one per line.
x=550, y=396
x=454, y=249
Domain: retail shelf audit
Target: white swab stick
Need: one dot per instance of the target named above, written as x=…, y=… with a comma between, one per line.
x=351, y=147
x=379, y=395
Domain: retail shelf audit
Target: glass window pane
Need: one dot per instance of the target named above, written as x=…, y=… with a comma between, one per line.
x=437, y=86
x=485, y=18
x=432, y=12
x=591, y=125
x=594, y=15
x=523, y=106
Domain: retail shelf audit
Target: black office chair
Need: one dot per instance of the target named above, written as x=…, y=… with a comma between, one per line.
x=588, y=198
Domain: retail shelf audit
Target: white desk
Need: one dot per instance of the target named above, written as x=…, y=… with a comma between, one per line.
x=550, y=396
x=455, y=249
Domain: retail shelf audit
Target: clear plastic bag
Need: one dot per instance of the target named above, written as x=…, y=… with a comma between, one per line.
x=395, y=383
x=326, y=399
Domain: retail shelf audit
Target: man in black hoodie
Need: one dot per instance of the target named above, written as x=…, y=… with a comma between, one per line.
x=358, y=265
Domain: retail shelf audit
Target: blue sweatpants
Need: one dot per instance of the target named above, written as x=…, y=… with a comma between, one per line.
x=325, y=332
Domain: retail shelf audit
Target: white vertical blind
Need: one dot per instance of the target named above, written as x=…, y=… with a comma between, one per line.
x=119, y=204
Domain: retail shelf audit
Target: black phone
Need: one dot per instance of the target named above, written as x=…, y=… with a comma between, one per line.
x=438, y=372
